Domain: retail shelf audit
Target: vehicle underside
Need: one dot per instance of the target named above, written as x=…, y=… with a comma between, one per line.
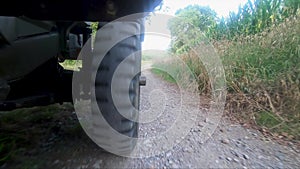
x=36, y=35
x=77, y=10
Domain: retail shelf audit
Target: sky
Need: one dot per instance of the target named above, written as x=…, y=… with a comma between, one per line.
x=159, y=23
x=222, y=7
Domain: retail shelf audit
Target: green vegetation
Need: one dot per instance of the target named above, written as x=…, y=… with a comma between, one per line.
x=164, y=75
x=77, y=64
x=182, y=27
x=260, y=51
x=263, y=70
x=266, y=119
x=72, y=64
x=21, y=129
x=254, y=17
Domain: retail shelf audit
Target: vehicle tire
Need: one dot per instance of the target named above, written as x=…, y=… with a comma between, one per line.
x=125, y=53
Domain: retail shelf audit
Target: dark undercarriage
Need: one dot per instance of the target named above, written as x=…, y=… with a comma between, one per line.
x=49, y=83
x=75, y=10
x=35, y=35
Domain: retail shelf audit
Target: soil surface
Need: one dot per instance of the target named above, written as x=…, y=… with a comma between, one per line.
x=66, y=146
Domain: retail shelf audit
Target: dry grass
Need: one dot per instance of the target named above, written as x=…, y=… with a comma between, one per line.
x=262, y=77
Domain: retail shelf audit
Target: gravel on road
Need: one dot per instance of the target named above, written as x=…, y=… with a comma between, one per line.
x=229, y=146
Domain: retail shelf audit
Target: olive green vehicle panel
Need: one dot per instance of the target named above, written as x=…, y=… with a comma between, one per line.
x=13, y=28
x=26, y=44
x=33, y=32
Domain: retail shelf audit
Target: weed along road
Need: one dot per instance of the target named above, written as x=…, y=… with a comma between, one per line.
x=65, y=145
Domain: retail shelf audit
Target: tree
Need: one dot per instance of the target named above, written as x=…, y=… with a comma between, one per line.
x=188, y=20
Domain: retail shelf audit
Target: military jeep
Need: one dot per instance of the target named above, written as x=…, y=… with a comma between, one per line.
x=36, y=35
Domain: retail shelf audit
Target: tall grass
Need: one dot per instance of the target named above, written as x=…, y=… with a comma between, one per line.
x=262, y=76
x=175, y=69
x=254, y=17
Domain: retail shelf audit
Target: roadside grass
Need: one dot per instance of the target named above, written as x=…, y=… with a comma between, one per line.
x=156, y=59
x=23, y=129
x=167, y=77
x=262, y=77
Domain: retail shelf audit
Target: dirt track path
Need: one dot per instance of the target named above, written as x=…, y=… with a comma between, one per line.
x=230, y=146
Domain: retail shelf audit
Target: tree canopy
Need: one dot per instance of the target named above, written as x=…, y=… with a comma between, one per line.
x=188, y=19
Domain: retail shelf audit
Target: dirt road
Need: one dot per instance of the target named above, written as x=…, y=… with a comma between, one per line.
x=230, y=146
